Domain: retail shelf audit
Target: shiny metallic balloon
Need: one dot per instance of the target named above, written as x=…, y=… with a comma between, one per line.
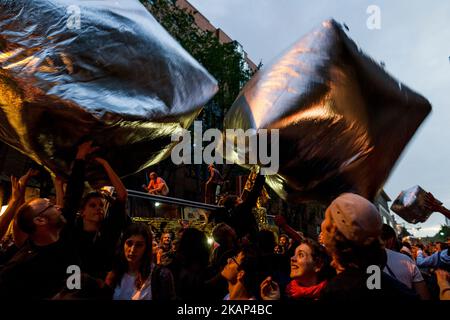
x=104, y=70
x=410, y=205
x=343, y=121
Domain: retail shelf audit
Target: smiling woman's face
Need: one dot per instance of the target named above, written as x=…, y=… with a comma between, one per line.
x=302, y=263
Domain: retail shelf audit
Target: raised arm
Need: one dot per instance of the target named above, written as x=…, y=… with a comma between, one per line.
x=10, y=211
x=281, y=222
x=116, y=219
x=435, y=205
x=122, y=193
x=59, y=191
x=427, y=262
x=75, y=185
x=18, y=187
x=253, y=195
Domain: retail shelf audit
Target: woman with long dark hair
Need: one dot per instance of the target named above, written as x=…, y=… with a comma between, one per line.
x=134, y=275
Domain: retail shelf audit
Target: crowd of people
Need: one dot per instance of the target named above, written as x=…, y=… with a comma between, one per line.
x=44, y=240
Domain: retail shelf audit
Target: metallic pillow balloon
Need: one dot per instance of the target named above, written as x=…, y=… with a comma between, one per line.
x=101, y=69
x=343, y=121
x=410, y=205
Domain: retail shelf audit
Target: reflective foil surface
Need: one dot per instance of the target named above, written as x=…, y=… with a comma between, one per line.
x=410, y=205
x=71, y=70
x=343, y=120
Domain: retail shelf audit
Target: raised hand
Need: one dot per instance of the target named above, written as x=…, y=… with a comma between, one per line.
x=16, y=191
x=59, y=180
x=122, y=193
x=85, y=149
x=59, y=189
x=269, y=289
x=27, y=176
x=19, y=185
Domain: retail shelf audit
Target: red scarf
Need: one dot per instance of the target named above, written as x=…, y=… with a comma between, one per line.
x=296, y=291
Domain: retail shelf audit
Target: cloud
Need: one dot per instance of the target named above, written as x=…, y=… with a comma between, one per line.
x=427, y=231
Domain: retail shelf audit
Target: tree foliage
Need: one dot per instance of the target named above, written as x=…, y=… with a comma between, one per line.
x=443, y=234
x=222, y=60
x=404, y=233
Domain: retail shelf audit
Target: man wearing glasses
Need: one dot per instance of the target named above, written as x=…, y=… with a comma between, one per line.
x=40, y=268
x=242, y=275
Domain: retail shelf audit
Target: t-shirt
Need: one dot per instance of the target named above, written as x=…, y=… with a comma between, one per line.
x=37, y=272
x=97, y=249
x=402, y=268
x=127, y=289
x=351, y=285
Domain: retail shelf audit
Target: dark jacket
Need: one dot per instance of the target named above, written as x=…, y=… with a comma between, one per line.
x=351, y=285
